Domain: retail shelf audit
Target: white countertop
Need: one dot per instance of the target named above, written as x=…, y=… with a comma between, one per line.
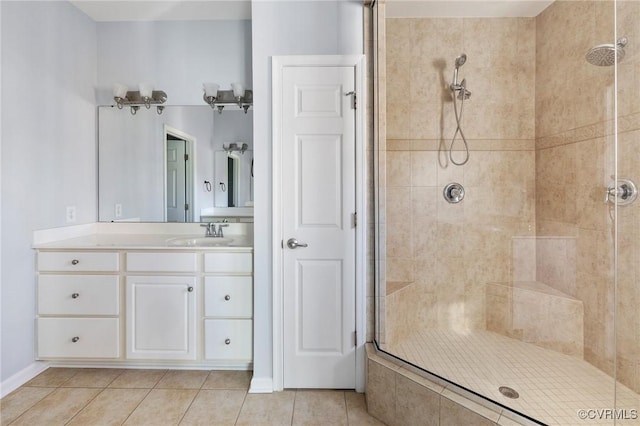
x=141, y=236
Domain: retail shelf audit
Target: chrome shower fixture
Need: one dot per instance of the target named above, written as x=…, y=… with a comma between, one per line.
x=605, y=55
x=462, y=95
x=460, y=61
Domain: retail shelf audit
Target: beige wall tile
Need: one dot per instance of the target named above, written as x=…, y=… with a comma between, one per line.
x=381, y=392
x=415, y=404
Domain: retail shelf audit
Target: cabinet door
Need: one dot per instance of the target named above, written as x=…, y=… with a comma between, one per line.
x=161, y=317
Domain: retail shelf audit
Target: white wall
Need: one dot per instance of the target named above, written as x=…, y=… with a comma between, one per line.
x=49, y=71
x=285, y=28
x=176, y=56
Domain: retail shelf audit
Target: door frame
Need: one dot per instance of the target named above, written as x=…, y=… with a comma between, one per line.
x=278, y=64
x=190, y=149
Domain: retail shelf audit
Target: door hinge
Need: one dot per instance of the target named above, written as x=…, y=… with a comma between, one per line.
x=186, y=207
x=186, y=157
x=355, y=338
x=354, y=99
x=354, y=219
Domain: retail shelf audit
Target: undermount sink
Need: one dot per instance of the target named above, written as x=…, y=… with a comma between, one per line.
x=200, y=241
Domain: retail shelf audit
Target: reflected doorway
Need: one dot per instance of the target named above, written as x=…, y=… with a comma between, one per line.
x=179, y=165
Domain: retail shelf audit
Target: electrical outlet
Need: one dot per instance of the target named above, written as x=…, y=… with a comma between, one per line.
x=71, y=214
x=118, y=210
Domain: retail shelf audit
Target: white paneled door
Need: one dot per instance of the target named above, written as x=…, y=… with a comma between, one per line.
x=319, y=238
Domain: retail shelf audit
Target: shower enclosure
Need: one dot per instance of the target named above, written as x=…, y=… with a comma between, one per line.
x=525, y=288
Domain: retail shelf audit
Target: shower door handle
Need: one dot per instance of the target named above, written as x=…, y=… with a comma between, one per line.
x=292, y=243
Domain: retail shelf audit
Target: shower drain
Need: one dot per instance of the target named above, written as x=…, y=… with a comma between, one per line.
x=508, y=392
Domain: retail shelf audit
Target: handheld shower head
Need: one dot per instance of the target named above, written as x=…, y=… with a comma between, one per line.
x=460, y=60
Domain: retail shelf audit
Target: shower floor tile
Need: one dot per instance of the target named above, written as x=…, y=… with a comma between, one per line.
x=553, y=387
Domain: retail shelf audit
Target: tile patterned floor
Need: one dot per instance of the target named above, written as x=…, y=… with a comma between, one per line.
x=553, y=387
x=74, y=396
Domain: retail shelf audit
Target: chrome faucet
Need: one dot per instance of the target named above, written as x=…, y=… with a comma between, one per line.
x=211, y=229
x=220, y=226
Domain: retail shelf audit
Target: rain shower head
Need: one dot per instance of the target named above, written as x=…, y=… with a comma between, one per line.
x=460, y=60
x=605, y=55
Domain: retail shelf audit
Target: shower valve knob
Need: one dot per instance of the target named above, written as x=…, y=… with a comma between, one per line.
x=623, y=193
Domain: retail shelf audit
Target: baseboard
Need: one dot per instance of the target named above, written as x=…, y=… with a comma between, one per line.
x=22, y=377
x=261, y=385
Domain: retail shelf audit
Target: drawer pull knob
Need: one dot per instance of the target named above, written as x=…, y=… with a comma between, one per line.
x=75, y=295
x=227, y=297
x=190, y=289
x=227, y=341
x=75, y=339
x=75, y=261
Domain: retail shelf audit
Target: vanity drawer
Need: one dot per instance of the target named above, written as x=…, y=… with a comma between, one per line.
x=228, y=262
x=78, y=295
x=228, y=339
x=78, y=338
x=230, y=297
x=67, y=261
x=162, y=262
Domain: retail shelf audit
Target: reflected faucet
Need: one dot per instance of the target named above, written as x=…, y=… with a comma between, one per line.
x=211, y=229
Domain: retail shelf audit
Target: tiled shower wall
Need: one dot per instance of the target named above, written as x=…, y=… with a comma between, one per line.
x=575, y=149
x=439, y=255
x=540, y=125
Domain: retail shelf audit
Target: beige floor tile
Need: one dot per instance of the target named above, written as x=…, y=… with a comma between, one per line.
x=110, y=407
x=92, y=378
x=183, y=379
x=162, y=407
x=228, y=380
x=52, y=377
x=267, y=409
x=357, y=411
x=215, y=407
x=19, y=401
x=58, y=407
x=141, y=379
x=314, y=407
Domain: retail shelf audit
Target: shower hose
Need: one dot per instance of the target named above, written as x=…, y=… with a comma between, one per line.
x=458, y=115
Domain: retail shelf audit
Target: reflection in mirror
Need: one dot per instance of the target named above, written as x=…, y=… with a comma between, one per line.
x=234, y=179
x=136, y=181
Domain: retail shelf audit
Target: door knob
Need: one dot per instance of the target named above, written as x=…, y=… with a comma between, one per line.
x=292, y=243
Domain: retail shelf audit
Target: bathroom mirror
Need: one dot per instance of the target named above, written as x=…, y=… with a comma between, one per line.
x=234, y=179
x=160, y=167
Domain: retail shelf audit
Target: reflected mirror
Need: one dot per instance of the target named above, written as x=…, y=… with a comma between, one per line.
x=161, y=168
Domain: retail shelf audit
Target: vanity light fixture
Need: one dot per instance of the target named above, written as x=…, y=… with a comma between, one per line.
x=134, y=99
x=217, y=98
x=234, y=147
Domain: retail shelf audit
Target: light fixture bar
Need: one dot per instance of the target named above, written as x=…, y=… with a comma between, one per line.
x=228, y=98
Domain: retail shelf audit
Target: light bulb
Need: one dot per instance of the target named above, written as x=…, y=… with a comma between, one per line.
x=146, y=90
x=211, y=90
x=119, y=91
x=238, y=90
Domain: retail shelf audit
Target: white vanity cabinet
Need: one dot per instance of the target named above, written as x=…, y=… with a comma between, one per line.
x=228, y=306
x=78, y=305
x=146, y=306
